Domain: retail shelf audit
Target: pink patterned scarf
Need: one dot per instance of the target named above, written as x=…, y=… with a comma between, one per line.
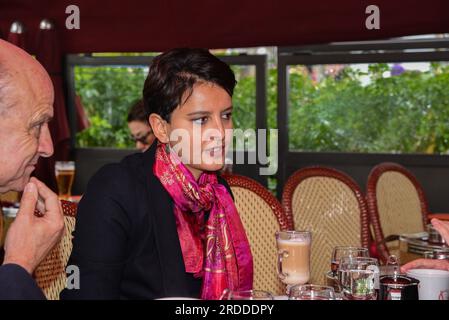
x=218, y=250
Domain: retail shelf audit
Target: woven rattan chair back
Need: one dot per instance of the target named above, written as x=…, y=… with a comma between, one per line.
x=50, y=275
x=262, y=215
x=396, y=203
x=331, y=205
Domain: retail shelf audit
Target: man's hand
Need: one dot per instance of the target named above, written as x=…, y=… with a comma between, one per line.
x=426, y=264
x=442, y=227
x=30, y=238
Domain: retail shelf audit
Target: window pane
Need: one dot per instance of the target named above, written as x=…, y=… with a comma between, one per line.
x=379, y=108
x=244, y=99
x=107, y=94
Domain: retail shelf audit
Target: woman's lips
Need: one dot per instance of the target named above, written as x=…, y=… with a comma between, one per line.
x=215, y=151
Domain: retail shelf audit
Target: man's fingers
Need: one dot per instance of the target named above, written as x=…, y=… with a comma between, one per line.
x=50, y=202
x=408, y=266
x=442, y=228
x=416, y=264
x=426, y=264
x=29, y=199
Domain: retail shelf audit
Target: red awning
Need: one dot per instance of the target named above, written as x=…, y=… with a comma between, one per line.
x=143, y=25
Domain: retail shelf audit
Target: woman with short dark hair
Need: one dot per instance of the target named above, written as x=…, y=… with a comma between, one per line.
x=163, y=223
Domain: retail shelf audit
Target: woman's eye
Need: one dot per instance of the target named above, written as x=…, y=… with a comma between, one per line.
x=200, y=120
x=227, y=116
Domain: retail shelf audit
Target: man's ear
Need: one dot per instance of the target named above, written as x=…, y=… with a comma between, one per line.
x=160, y=127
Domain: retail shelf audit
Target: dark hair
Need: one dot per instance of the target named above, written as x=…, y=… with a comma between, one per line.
x=175, y=72
x=137, y=112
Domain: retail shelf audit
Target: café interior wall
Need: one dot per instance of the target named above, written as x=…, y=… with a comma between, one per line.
x=432, y=171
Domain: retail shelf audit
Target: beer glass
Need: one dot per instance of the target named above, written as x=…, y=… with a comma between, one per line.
x=65, y=173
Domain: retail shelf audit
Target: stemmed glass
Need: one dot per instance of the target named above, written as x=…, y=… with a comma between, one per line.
x=345, y=251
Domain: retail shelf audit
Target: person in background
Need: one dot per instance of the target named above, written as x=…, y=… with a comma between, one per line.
x=443, y=228
x=140, y=129
x=26, y=107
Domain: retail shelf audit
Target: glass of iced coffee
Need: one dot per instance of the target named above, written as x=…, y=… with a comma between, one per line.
x=293, y=257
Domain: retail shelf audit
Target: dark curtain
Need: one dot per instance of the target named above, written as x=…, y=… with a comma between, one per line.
x=82, y=120
x=49, y=55
x=18, y=38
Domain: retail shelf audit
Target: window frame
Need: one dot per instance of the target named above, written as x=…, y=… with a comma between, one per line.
x=75, y=60
x=386, y=51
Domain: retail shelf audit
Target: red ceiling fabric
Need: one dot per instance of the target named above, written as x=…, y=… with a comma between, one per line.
x=49, y=55
x=143, y=25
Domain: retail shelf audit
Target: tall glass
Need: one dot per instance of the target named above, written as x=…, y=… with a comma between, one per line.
x=65, y=173
x=293, y=257
x=359, y=277
x=345, y=251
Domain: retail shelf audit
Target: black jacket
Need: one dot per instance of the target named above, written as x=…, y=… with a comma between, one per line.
x=125, y=242
x=17, y=284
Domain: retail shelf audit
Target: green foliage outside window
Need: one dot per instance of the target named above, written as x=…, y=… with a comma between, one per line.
x=408, y=113
x=107, y=94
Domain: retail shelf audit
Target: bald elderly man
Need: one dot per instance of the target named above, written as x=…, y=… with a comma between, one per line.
x=26, y=107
